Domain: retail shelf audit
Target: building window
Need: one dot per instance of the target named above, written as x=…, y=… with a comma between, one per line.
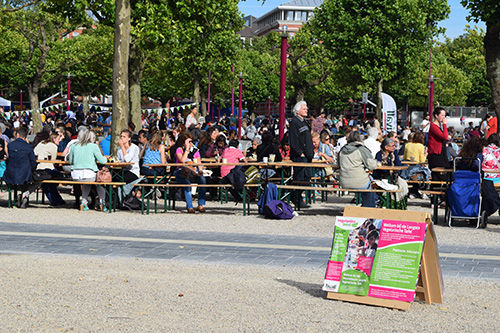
x=290, y=15
x=76, y=34
x=303, y=16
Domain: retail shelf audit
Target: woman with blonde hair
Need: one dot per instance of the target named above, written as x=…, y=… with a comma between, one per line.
x=153, y=152
x=83, y=157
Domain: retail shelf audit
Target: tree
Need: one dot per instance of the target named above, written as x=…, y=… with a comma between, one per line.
x=46, y=55
x=466, y=52
x=374, y=41
x=451, y=84
x=204, y=36
x=488, y=11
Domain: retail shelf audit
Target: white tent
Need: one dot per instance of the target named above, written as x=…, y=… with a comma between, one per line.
x=4, y=102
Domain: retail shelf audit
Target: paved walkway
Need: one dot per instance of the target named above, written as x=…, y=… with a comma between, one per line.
x=457, y=261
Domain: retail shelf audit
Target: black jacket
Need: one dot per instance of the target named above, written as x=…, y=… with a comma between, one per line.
x=300, y=139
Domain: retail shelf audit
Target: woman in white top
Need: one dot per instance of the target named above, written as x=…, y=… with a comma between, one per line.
x=47, y=150
x=191, y=118
x=128, y=152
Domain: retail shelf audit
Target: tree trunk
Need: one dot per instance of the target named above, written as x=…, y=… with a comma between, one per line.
x=196, y=91
x=136, y=68
x=121, y=99
x=204, y=110
x=379, y=99
x=300, y=94
x=492, y=57
x=35, y=105
x=86, y=103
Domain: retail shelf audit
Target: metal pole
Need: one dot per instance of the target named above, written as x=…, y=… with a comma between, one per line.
x=69, y=90
x=284, y=45
x=240, y=106
x=232, y=96
x=209, y=77
x=21, y=100
x=431, y=86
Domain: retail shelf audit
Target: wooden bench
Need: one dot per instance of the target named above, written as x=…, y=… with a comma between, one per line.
x=145, y=198
x=338, y=189
x=435, y=195
x=107, y=185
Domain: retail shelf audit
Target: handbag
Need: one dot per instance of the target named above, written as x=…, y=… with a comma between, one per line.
x=329, y=169
x=103, y=176
x=40, y=175
x=188, y=172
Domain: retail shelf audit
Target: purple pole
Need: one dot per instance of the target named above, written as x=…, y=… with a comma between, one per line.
x=239, y=106
x=69, y=86
x=232, y=96
x=209, y=77
x=218, y=116
x=284, y=45
x=431, y=85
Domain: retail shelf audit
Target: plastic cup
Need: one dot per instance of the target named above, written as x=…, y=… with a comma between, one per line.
x=272, y=157
x=265, y=159
x=224, y=160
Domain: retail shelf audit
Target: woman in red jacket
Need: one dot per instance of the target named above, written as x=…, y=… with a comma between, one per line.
x=438, y=135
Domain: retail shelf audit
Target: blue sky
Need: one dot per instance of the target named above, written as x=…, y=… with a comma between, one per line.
x=454, y=25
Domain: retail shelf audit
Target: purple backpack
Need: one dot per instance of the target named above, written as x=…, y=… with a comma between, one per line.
x=279, y=210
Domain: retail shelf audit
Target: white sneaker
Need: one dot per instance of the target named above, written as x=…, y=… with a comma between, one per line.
x=425, y=196
x=411, y=196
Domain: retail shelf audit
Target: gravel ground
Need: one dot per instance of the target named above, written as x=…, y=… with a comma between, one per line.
x=51, y=293
x=63, y=293
x=317, y=221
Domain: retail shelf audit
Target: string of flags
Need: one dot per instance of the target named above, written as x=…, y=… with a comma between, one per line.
x=107, y=108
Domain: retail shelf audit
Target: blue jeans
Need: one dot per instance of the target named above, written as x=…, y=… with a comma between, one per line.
x=368, y=198
x=187, y=190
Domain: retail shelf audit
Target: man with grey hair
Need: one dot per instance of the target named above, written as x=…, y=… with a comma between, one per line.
x=301, y=149
x=371, y=141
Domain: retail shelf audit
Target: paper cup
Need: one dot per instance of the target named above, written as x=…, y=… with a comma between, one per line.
x=265, y=159
x=224, y=160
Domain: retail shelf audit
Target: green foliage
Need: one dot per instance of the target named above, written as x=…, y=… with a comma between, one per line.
x=483, y=10
x=466, y=53
x=380, y=39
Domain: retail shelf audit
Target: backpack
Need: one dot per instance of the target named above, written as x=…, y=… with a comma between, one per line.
x=279, y=210
x=270, y=194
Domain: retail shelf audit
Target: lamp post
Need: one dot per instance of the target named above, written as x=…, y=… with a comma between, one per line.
x=21, y=101
x=431, y=86
x=232, y=95
x=431, y=94
x=240, y=106
x=284, y=45
x=69, y=90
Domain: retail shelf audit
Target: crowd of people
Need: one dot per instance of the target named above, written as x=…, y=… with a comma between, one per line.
x=356, y=146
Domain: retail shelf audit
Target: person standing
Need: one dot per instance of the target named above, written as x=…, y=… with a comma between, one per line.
x=301, y=148
x=426, y=125
x=492, y=126
x=438, y=135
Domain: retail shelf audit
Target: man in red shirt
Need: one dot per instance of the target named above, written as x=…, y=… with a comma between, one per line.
x=492, y=126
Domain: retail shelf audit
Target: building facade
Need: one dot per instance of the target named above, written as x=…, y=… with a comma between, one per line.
x=289, y=16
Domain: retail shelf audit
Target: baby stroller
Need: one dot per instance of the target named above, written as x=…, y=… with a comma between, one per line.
x=464, y=194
